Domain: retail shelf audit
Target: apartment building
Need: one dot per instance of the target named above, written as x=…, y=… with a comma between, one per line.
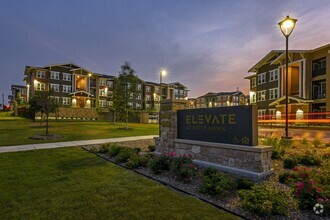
x=221, y=99
x=308, y=75
x=77, y=87
x=17, y=90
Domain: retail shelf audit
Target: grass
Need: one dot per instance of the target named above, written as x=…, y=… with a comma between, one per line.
x=16, y=131
x=73, y=184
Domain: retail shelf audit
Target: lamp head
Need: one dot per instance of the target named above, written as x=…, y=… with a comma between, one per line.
x=163, y=72
x=287, y=25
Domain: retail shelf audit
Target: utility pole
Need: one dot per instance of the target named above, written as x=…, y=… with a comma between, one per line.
x=3, y=101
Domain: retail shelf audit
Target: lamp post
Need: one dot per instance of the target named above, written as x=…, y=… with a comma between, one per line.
x=161, y=74
x=287, y=26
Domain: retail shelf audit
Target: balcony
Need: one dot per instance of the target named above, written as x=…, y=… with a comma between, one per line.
x=319, y=96
x=319, y=72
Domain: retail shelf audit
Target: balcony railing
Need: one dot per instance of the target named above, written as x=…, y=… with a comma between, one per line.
x=319, y=72
x=319, y=96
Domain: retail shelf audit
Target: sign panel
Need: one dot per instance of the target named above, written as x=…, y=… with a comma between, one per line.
x=230, y=125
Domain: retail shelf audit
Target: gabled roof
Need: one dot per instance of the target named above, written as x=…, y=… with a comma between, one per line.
x=68, y=65
x=297, y=99
x=265, y=59
x=81, y=93
x=151, y=83
x=105, y=76
x=177, y=84
x=18, y=87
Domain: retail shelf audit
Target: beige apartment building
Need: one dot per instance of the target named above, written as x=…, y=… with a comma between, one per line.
x=308, y=82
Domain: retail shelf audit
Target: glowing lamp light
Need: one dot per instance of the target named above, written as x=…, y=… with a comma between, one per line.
x=163, y=72
x=299, y=114
x=35, y=81
x=287, y=25
x=74, y=102
x=278, y=115
x=88, y=101
x=89, y=74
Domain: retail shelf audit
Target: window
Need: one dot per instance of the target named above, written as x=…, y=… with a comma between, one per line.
x=138, y=97
x=102, y=103
x=131, y=95
x=128, y=85
x=40, y=86
x=130, y=104
x=41, y=74
x=102, y=92
x=147, y=106
x=323, y=63
x=138, y=86
x=110, y=93
x=253, y=82
x=22, y=91
x=56, y=98
x=109, y=103
x=273, y=75
x=316, y=66
x=272, y=113
x=261, y=78
x=262, y=114
x=148, y=89
x=253, y=98
x=148, y=98
x=55, y=87
x=138, y=105
x=156, y=89
x=261, y=96
x=67, y=89
x=273, y=94
x=103, y=82
x=66, y=101
x=54, y=75
x=110, y=84
x=66, y=77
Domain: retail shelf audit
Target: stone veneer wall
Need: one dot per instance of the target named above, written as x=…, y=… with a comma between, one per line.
x=252, y=162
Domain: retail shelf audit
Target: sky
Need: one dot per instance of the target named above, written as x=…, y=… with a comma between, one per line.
x=207, y=45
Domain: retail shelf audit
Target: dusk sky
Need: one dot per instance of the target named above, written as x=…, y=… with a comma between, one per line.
x=206, y=45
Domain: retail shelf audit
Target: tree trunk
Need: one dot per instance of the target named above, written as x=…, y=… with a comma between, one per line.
x=46, y=124
x=126, y=118
x=41, y=119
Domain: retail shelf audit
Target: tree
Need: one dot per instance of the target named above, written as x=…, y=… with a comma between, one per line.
x=124, y=88
x=44, y=103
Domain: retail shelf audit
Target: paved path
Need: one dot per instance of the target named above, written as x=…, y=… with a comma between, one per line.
x=27, y=147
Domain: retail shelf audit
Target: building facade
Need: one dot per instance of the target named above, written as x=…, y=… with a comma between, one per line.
x=221, y=99
x=78, y=87
x=308, y=77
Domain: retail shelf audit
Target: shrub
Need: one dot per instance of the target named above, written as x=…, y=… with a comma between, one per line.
x=160, y=164
x=103, y=149
x=310, y=160
x=316, y=142
x=288, y=177
x=123, y=155
x=136, y=161
x=183, y=168
x=114, y=150
x=285, y=142
x=264, y=201
x=277, y=153
x=290, y=162
x=136, y=150
x=271, y=142
x=151, y=148
x=244, y=183
x=217, y=184
x=209, y=172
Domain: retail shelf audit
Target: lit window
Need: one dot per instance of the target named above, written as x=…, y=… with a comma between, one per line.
x=40, y=86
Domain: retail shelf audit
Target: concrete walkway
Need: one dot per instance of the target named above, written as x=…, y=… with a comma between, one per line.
x=27, y=147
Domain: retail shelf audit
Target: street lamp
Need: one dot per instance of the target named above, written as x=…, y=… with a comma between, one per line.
x=161, y=74
x=287, y=26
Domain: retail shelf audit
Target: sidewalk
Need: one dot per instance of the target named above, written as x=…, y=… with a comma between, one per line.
x=27, y=147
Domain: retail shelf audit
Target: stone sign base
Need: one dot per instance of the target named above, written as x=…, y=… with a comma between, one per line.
x=251, y=162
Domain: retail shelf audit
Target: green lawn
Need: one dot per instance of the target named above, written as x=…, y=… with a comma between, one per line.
x=71, y=183
x=15, y=130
